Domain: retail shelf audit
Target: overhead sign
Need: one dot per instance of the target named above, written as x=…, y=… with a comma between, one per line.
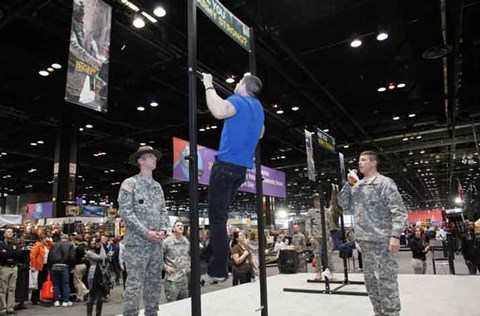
x=88, y=61
x=274, y=183
x=226, y=21
x=325, y=141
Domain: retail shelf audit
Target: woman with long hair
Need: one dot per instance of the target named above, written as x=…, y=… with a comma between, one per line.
x=419, y=250
x=96, y=256
x=243, y=261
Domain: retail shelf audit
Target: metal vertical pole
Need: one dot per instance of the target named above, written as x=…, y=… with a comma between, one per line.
x=343, y=176
x=259, y=186
x=193, y=165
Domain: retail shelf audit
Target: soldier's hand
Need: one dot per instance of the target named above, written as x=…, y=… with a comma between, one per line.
x=162, y=235
x=394, y=245
x=154, y=236
x=246, y=252
x=170, y=270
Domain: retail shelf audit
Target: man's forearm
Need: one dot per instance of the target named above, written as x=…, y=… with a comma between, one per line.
x=216, y=105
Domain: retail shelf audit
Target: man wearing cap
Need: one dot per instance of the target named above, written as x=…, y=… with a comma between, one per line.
x=314, y=230
x=380, y=218
x=242, y=128
x=142, y=208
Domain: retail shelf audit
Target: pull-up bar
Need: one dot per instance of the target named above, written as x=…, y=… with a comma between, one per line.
x=244, y=36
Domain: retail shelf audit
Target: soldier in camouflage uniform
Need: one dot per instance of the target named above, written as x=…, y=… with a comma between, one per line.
x=380, y=217
x=300, y=244
x=176, y=253
x=142, y=208
x=313, y=227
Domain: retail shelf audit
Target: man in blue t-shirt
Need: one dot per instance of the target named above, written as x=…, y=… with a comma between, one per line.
x=242, y=128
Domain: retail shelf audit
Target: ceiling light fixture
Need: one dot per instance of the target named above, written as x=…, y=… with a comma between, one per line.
x=214, y=127
x=160, y=12
x=138, y=22
x=56, y=66
x=89, y=126
x=247, y=74
x=43, y=73
x=391, y=86
x=33, y=144
x=153, y=104
x=230, y=80
x=396, y=118
x=346, y=146
x=401, y=85
x=142, y=144
x=382, y=36
x=356, y=43
x=326, y=130
x=149, y=17
x=295, y=108
x=141, y=108
x=40, y=142
x=81, y=129
x=422, y=151
x=202, y=129
x=382, y=89
x=419, y=137
x=279, y=111
x=50, y=69
x=412, y=115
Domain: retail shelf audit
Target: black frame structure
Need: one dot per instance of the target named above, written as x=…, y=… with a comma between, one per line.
x=196, y=308
x=317, y=151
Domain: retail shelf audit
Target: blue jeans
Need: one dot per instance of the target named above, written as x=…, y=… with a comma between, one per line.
x=335, y=239
x=61, y=280
x=225, y=179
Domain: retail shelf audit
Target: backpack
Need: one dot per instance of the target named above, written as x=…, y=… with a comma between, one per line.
x=104, y=277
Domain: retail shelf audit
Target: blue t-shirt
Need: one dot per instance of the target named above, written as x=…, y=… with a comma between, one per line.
x=241, y=132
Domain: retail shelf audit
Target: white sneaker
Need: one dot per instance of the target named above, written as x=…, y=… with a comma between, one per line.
x=67, y=304
x=56, y=304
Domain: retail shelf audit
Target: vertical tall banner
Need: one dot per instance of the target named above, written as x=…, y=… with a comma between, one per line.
x=310, y=160
x=88, y=61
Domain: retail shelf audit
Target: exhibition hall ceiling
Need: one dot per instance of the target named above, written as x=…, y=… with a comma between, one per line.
x=391, y=91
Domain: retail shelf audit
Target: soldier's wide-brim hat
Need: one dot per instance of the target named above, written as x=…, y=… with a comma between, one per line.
x=133, y=159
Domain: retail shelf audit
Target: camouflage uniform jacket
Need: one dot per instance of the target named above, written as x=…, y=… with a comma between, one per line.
x=142, y=208
x=299, y=242
x=313, y=223
x=176, y=254
x=377, y=206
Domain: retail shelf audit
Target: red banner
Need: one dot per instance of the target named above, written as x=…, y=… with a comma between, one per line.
x=425, y=216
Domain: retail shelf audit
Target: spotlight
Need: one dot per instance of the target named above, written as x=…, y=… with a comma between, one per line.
x=230, y=80
x=401, y=85
x=382, y=36
x=160, y=12
x=295, y=108
x=43, y=73
x=382, y=89
x=153, y=104
x=56, y=66
x=138, y=22
x=356, y=43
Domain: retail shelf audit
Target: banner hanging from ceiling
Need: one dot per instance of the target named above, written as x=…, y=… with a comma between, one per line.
x=88, y=61
x=274, y=183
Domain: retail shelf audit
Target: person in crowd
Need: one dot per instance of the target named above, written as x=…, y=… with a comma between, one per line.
x=298, y=239
x=61, y=258
x=80, y=268
x=380, y=217
x=252, y=242
x=115, y=261
x=243, y=127
x=279, y=245
x=121, y=260
x=471, y=247
x=333, y=218
x=10, y=254
x=176, y=253
x=38, y=262
x=142, y=208
x=243, y=261
x=419, y=250
x=96, y=257
x=314, y=229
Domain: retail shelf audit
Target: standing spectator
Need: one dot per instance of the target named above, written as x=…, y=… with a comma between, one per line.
x=298, y=239
x=80, y=268
x=314, y=229
x=243, y=261
x=121, y=260
x=9, y=256
x=333, y=218
x=176, y=253
x=380, y=217
x=96, y=257
x=279, y=245
x=471, y=247
x=242, y=128
x=60, y=259
x=38, y=262
x=419, y=250
x=142, y=208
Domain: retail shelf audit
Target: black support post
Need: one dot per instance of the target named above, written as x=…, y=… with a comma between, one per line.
x=193, y=166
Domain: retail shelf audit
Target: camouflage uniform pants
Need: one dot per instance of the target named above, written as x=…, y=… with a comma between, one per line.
x=380, y=272
x=175, y=291
x=317, y=251
x=144, y=266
